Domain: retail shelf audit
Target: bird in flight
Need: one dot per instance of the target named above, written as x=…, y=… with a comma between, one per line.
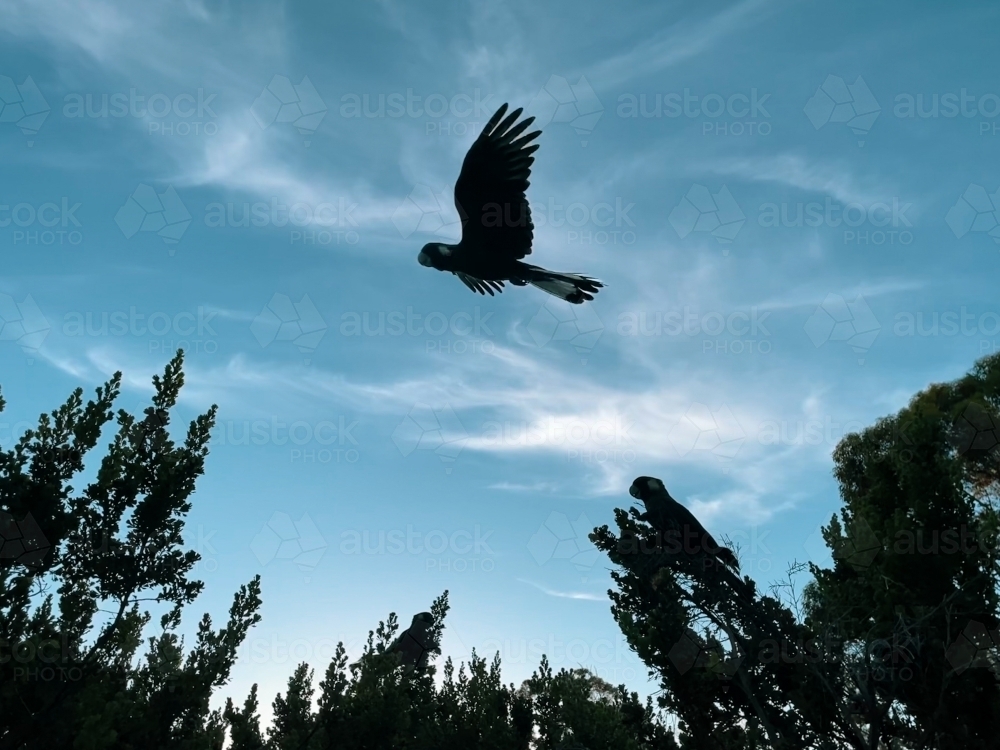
x=496, y=220
x=666, y=514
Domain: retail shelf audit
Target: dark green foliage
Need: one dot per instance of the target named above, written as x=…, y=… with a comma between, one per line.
x=726, y=692
x=377, y=704
x=244, y=726
x=917, y=563
x=894, y=647
x=85, y=673
x=577, y=709
x=73, y=624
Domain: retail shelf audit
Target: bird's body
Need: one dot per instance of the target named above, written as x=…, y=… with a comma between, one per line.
x=414, y=643
x=670, y=517
x=497, y=230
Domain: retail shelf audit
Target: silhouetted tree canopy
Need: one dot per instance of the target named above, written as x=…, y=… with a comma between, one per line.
x=71, y=621
x=82, y=666
x=895, y=646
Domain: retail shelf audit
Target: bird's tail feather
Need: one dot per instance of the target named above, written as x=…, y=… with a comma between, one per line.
x=726, y=555
x=571, y=287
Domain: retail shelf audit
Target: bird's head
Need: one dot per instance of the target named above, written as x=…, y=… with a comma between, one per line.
x=420, y=628
x=644, y=487
x=435, y=255
x=423, y=619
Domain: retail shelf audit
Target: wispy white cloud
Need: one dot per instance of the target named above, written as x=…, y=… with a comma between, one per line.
x=159, y=36
x=580, y=595
x=519, y=487
x=810, y=295
x=682, y=41
x=745, y=504
x=811, y=175
x=98, y=363
x=242, y=316
x=515, y=405
x=249, y=163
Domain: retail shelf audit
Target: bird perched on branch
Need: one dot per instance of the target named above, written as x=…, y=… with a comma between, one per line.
x=670, y=517
x=414, y=643
x=496, y=220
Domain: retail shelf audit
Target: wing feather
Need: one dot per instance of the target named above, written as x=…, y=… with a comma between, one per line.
x=478, y=285
x=490, y=192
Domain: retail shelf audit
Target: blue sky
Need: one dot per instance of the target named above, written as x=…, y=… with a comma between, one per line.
x=790, y=205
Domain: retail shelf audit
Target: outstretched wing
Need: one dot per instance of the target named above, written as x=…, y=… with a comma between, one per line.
x=490, y=192
x=478, y=285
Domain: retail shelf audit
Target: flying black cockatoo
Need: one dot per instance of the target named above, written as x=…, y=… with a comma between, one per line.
x=414, y=643
x=666, y=514
x=496, y=220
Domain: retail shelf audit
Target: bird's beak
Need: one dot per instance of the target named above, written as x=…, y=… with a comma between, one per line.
x=424, y=259
x=634, y=492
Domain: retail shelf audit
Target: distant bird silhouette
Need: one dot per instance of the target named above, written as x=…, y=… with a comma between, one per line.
x=667, y=515
x=496, y=219
x=414, y=643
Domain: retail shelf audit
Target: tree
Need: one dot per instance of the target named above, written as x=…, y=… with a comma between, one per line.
x=917, y=564
x=577, y=709
x=244, y=725
x=77, y=567
x=71, y=621
x=895, y=646
x=380, y=703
